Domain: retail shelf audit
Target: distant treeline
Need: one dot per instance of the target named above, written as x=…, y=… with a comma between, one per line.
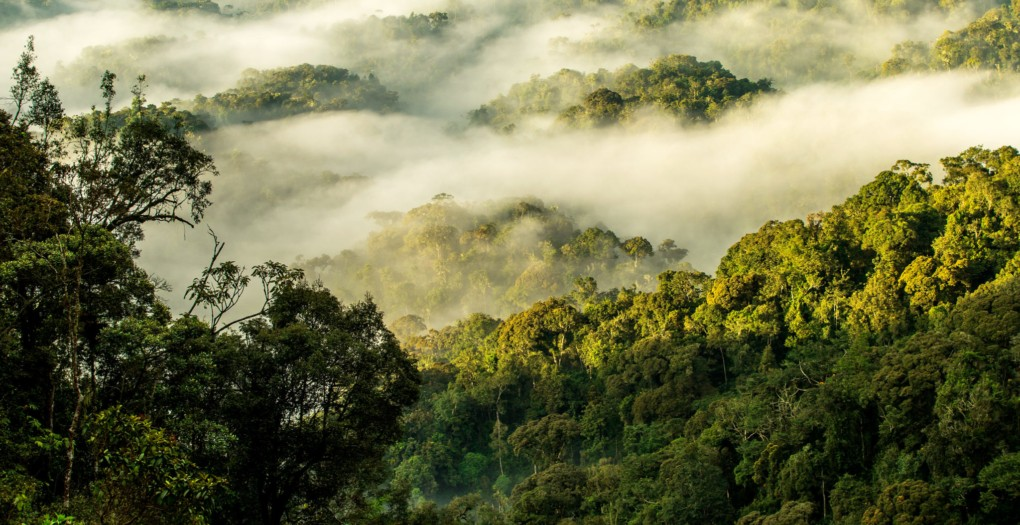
x=680, y=85
x=283, y=92
x=992, y=42
x=444, y=260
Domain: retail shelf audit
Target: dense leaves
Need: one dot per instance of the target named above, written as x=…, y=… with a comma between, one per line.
x=445, y=260
x=679, y=85
x=114, y=412
x=278, y=93
x=992, y=42
x=857, y=367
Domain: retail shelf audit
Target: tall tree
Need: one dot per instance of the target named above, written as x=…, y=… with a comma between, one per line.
x=316, y=389
x=122, y=175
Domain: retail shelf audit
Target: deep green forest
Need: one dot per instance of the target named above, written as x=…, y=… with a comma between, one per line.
x=494, y=321
x=859, y=366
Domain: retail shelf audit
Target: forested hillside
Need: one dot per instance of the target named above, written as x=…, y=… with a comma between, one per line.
x=263, y=95
x=117, y=411
x=445, y=260
x=509, y=262
x=990, y=42
x=859, y=366
x=689, y=90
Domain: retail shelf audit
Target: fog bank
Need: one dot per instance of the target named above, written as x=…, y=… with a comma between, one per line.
x=303, y=186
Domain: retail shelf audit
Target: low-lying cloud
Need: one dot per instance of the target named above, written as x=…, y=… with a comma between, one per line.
x=304, y=186
x=702, y=186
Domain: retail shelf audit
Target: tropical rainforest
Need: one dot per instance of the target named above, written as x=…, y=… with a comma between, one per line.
x=510, y=262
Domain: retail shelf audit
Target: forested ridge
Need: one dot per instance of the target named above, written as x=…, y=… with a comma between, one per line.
x=445, y=260
x=532, y=357
x=859, y=366
x=689, y=90
x=262, y=95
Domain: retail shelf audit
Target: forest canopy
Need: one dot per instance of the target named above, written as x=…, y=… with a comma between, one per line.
x=538, y=348
x=679, y=85
x=443, y=260
x=859, y=366
x=284, y=92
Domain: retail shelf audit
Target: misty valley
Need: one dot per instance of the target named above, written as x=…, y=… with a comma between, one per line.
x=510, y=262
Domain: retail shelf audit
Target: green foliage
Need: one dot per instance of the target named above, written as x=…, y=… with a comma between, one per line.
x=445, y=260
x=679, y=85
x=313, y=446
x=547, y=440
x=289, y=414
x=857, y=367
x=130, y=169
x=549, y=496
x=600, y=108
x=283, y=92
x=999, y=483
x=907, y=57
x=992, y=42
x=181, y=5
x=913, y=502
x=30, y=208
x=144, y=475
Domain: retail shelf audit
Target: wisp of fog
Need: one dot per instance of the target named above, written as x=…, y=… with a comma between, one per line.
x=305, y=185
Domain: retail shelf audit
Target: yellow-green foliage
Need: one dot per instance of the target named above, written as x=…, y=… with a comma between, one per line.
x=444, y=260
x=277, y=93
x=679, y=85
x=860, y=366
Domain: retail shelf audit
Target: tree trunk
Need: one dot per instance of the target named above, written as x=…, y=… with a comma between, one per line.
x=73, y=318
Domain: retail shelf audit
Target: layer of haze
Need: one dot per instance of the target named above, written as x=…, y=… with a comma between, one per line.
x=304, y=185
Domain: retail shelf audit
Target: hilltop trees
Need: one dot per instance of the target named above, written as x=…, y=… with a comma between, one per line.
x=445, y=259
x=282, y=92
x=678, y=85
x=989, y=43
x=856, y=366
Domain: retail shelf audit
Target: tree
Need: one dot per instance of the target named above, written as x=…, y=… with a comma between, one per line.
x=911, y=501
x=694, y=489
x=30, y=208
x=282, y=92
x=121, y=176
x=547, y=440
x=315, y=392
x=545, y=329
x=58, y=294
x=600, y=108
x=549, y=496
x=638, y=248
x=25, y=79
x=117, y=171
x=145, y=475
x=65, y=279
x=670, y=252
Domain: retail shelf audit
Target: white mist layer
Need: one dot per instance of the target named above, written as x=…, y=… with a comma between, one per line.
x=303, y=186
x=703, y=187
